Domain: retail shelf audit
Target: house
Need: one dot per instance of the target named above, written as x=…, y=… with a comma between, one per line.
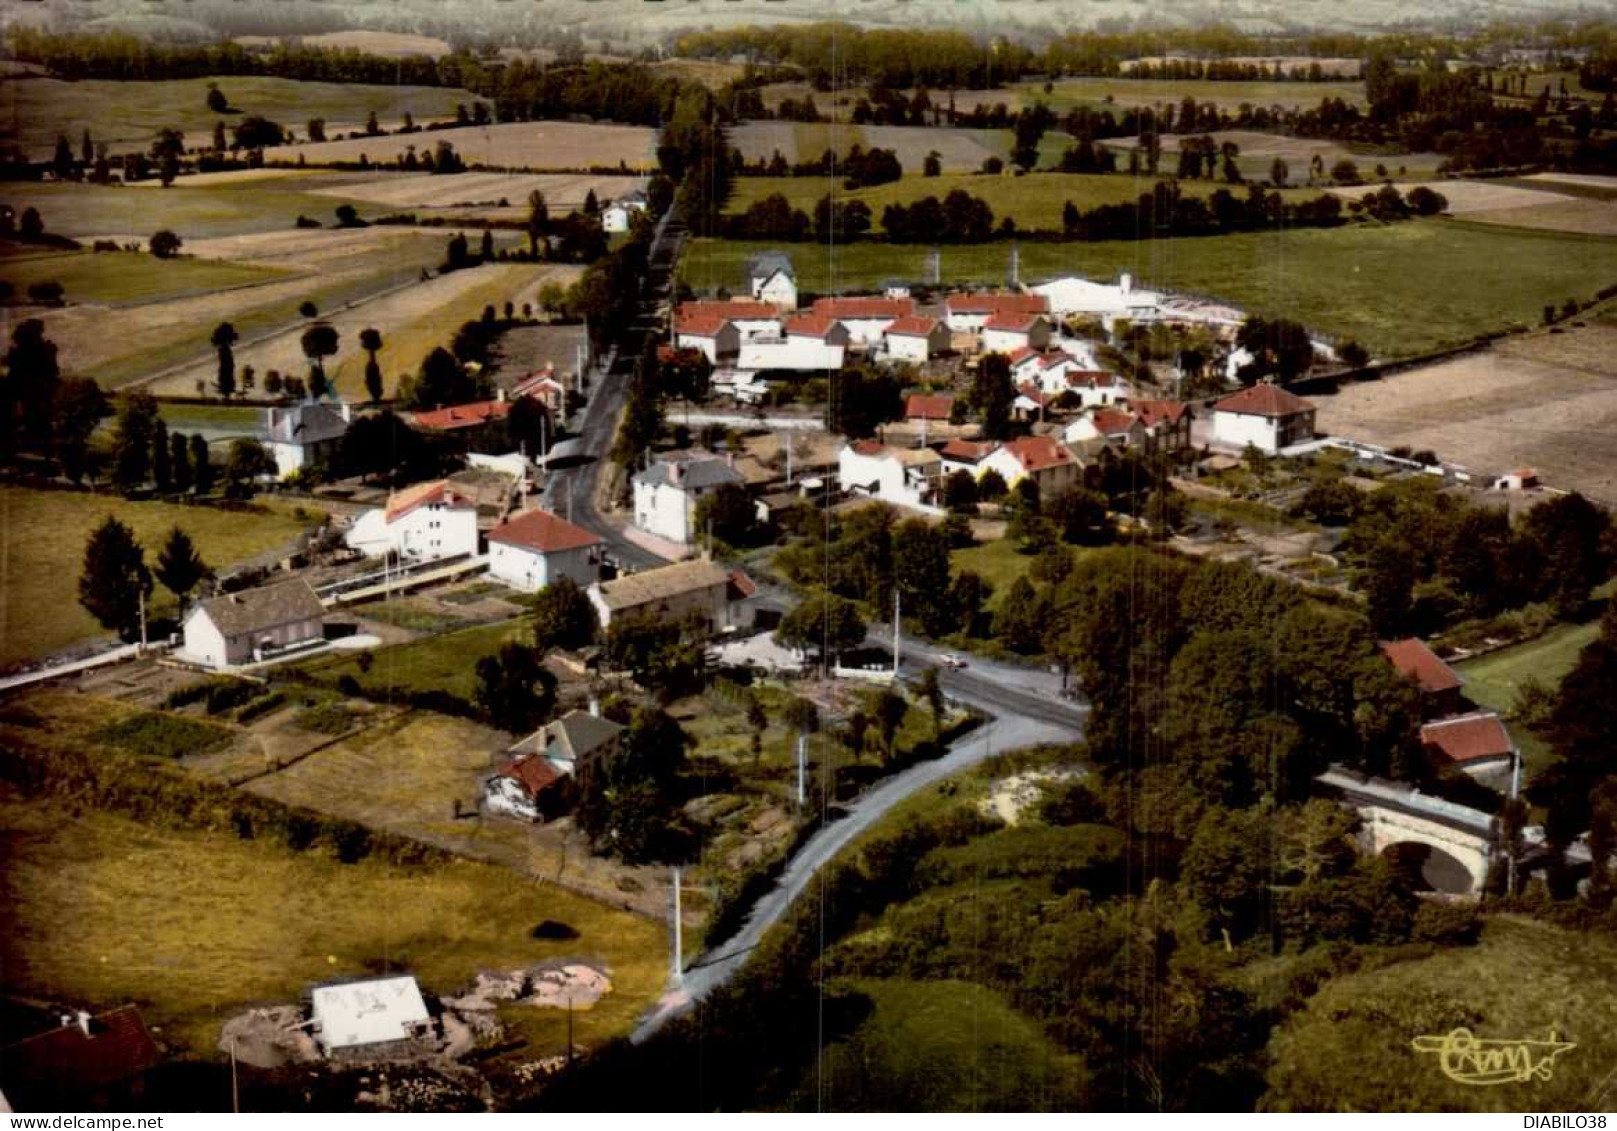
x=753, y=320
x=715, y=336
x=544, y=388
x=86, y=1063
x=933, y=408
x=667, y=492
x=470, y=423
x=304, y=434
x=1267, y=416
x=966, y=455
x=1030, y=403
x=1049, y=369
x=801, y=353
x=770, y=279
x=420, y=523
x=699, y=588
x=350, y=1016
x=867, y=319
x=1477, y=744
x=902, y=476
x=915, y=339
x=619, y=215
x=537, y=549
x=823, y=329
x=529, y=787
x=1522, y=479
x=967, y=313
x=1098, y=389
x=579, y=744
x=1073, y=296
x=1113, y=426
x=1040, y=458
x=1439, y=684
x=1008, y=332
x=1168, y=422
x=254, y=624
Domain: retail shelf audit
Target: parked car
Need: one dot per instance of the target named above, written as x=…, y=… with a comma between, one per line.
x=950, y=660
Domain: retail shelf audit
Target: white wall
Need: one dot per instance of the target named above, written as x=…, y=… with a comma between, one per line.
x=1238, y=429
x=204, y=642
x=662, y=510
x=902, y=347
x=530, y=571
x=777, y=290
x=885, y=470
x=424, y=534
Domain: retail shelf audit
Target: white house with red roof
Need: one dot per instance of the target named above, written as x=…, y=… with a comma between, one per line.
x=823, y=329
x=867, y=319
x=1115, y=426
x=1052, y=370
x=968, y=313
x=967, y=456
x=713, y=334
x=1266, y=416
x=915, y=339
x=903, y=476
x=1010, y=331
x=420, y=523
x=1030, y=403
x=537, y=548
x=1167, y=421
x=1098, y=389
x=752, y=319
x=1043, y=459
x=544, y=387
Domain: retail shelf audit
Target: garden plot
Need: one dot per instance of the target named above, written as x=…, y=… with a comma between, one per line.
x=564, y=192
x=509, y=145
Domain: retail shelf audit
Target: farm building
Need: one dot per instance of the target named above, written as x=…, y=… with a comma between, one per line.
x=967, y=313
x=578, y=744
x=466, y=422
x=800, y=354
x=967, y=456
x=350, y=1016
x=254, y=624
x=86, y=1062
x=1009, y=332
x=420, y=523
x=667, y=492
x=699, y=587
x=715, y=336
x=903, y=476
x=1478, y=744
x=537, y=549
x=529, y=787
x=1074, y=296
x=619, y=215
x=770, y=279
x=1439, y=684
x=1041, y=458
x=304, y=434
x=1266, y=416
x=916, y=339
x=867, y=319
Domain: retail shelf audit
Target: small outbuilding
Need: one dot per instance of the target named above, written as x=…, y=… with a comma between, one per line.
x=356, y=1017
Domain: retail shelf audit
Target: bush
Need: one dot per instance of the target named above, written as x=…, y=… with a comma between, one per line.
x=155, y=735
x=228, y=695
x=260, y=707
x=1451, y=924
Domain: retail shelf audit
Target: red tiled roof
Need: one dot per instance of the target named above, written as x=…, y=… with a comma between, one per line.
x=928, y=406
x=534, y=382
x=1035, y=453
x=868, y=447
x=63, y=1062
x=811, y=325
x=914, y=327
x=734, y=308
x=424, y=495
x=700, y=325
x=864, y=307
x=1031, y=392
x=544, y=532
x=967, y=451
x=1109, y=421
x=536, y=773
x=1264, y=400
x=1023, y=353
x=1414, y=659
x=1092, y=379
x=996, y=304
x=462, y=415
x=1152, y=413
x=1011, y=320
x=1468, y=738
x=741, y=586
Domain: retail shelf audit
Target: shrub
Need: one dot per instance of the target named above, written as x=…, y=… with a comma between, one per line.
x=155, y=735
x=260, y=707
x=1451, y=924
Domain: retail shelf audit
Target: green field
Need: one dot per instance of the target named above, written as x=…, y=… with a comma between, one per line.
x=1494, y=679
x=44, y=534
x=1035, y=200
x=212, y=418
x=999, y=563
x=122, y=277
x=1350, y=1049
x=197, y=926
x=435, y=663
x=1124, y=92
x=127, y=115
x=1401, y=289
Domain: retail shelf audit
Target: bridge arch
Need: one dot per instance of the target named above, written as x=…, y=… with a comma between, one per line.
x=1428, y=867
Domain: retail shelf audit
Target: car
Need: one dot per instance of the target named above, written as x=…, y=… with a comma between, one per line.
x=950, y=660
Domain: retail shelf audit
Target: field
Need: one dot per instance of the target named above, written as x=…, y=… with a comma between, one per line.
x=1545, y=401
x=390, y=43
x=509, y=145
x=958, y=150
x=999, y=563
x=1035, y=200
x=195, y=926
x=120, y=277
x=1258, y=151
x=44, y=534
x=1350, y=1048
x=564, y=192
x=436, y=663
x=1230, y=96
x=1557, y=214
x=127, y=115
x=413, y=321
x=1401, y=289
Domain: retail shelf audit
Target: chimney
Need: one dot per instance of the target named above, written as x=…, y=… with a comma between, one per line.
x=499, y=395
x=595, y=707
x=1126, y=284
x=676, y=473
x=84, y=1022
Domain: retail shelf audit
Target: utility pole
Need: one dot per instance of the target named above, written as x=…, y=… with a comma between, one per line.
x=677, y=971
x=802, y=769
x=140, y=594
x=896, y=622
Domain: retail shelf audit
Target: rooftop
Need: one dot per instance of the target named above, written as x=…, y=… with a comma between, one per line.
x=542, y=531
x=914, y=326
x=1035, y=453
x=811, y=325
x=434, y=494
x=1469, y=738
x=570, y=737
x=980, y=303
x=1414, y=659
x=48, y=1068
x=307, y=423
x=636, y=589
x=690, y=473
x=1264, y=400
x=928, y=406
x=1153, y=413
x=1012, y=320
x=250, y=610
x=473, y=415
x=967, y=451
x=865, y=307
x=745, y=309
x=365, y=1013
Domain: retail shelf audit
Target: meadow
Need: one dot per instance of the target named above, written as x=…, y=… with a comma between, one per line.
x=999, y=563
x=125, y=277
x=1401, y=289
x=44, y=534
x=196, y=926
x=1120, y=92
x=959, y=150
x=508, y=145
x=435, y=663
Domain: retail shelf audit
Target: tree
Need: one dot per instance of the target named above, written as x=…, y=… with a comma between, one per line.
x=62, y=163
x=758, y=720
x=319, y=342
x=932, y=166
x=370, y=340
x=28, y=389
x=1316, y=840
x=1345, y=172
x=801, y=716
x=224, y=336
x=216, y=101
x=921, y=575
x=162, y=471
x=1020, y=622
x=78, y=408
x=1279, y=347
x=255, y=132
x=179, y=567
x=992, y=394
x=1569, y=536
x=960, y=492
x=888, y=709
x=219, y=145
x=1279, y=174
x=1081, y=516
x=165, y=244
x=317, y=129
x=30, y=226
x=563, y=616
x=179, y=462
x=930, y=690
x=538, y=221
x=245, y=463
x=201, y=465
x=132, y=441
x=114, y=579
x=862, y=400
x=1225, y=868
x=514, y=689
x=728, y=514
x=824, y=622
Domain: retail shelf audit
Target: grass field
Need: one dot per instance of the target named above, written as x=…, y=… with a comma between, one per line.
x=262, y=204
x=1401, y=289
x=508, y=145
x=212, y=419
x=122, y=277
x=958, y=150
x=127, y=115
x=1035, y=200
x=44, y=534
x=999, y=563
x=436, y=663
x=1123, y=92
x=195, y=926
x=1350, y=1049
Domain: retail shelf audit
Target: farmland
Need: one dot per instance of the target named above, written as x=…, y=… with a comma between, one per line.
x=437, y=663
x=1259, y=150
x=1229, y=96
x=958, y=150
x=1546, y=401
x=196, y=925
x=371, y=41
x=44, y=534
x=1401, y=289
x=124, y=277
x=127, y=115
x=509, y=145
x=564, y=192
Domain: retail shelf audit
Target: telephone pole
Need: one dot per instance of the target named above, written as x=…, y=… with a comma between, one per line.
x=677, y=961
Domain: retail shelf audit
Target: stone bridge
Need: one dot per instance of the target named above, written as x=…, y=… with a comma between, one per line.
x=1453, y=844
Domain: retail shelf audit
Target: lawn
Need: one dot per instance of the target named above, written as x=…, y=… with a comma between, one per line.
x=1035, y=200
x=45, y=532
x=999, y=563
x=127, y=115
x=1401, y=289
x=1350, y=1049
x=195, y=926
x=434, y=663
x=212, y=419
x=122, y=277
